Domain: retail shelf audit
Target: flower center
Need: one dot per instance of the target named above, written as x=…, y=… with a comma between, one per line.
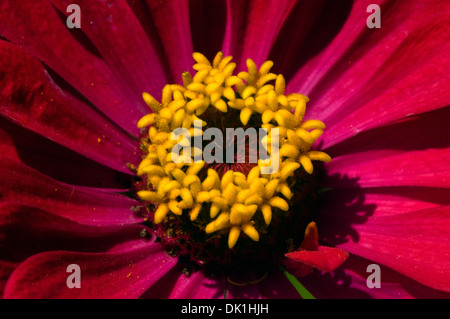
x=236, y=209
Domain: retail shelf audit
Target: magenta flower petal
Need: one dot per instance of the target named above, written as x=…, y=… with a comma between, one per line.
x=395, y=168
x=274, y=286
x=7, y=147
x=312, y=255
x=31, y=98
x=409, y=75
x=373, y=202
x=414, y=244
x=345, y=284
x=47, y=37
x=119, y=274
x=384, y=198
x=134, y=59
x=197, y=285
x=259, y=22
x=314, y=70
x=382, y=157
x=350, y=281
x=80, y=204
x=6, y=269
x=416, y=134
x=306, y=33
x=28, y=230
x=399, y=200
x=325, y=258
x=176, y=38
x=56, y=161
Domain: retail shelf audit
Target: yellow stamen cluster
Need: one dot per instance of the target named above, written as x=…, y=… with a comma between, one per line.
x=235, y=198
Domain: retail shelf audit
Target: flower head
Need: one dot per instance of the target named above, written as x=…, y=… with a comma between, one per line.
x=195, y=197
x=89, y=177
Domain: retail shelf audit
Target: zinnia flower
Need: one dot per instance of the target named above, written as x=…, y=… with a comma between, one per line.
x=86, y=179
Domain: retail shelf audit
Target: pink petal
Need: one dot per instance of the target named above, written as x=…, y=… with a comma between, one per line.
x=6, y=269
x=427, y=168
x=324, y=259
x=258, y=23
x=132, y=59
x=318, y=66
x=404, y=96
x=419, y=132
x=344, y=284
x=175, y=37
x=407, y=153
x=7, y=146
x=56, y=161
x=80, y=204
x=274, y=286
x=31, y=98
x=393, y=284
x=306, y=33
x=176, y=285
x=399, y=200
x=122, y=274
x=27, y=230
x=312, y=255
x=197, y=286
x=415, y=244
x=350, y=282
x=344, y=208
x=39, y=30
x=353, y=205
x=404, y=68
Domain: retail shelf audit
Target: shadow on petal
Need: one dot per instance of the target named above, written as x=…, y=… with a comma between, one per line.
x=310, y=27
x=338, y=210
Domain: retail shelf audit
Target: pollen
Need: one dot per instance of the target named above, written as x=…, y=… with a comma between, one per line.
x=232, y=205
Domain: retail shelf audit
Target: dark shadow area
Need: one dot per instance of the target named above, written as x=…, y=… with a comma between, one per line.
x=309, y=29
x=338, y=210
x=335, y=285
x=208, y=23
x=61, y=163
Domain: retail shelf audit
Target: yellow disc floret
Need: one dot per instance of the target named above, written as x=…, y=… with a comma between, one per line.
x=233, y=200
